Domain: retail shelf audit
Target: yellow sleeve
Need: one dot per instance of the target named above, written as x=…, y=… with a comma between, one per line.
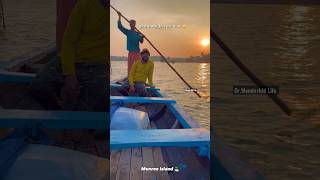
x=70, y=37
x=150, y=75
x=131, y=74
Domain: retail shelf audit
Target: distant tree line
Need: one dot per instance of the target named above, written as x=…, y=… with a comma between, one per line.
x=203, y=58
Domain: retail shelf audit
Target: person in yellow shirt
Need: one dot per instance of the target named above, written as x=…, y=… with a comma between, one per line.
x=77, y=79
x=141, y=71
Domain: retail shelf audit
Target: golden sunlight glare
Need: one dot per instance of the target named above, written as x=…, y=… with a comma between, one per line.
x=205, y=42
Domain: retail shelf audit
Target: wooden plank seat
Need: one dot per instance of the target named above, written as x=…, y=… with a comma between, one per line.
x=53, y=119
x=131, y=99
x=197, y=137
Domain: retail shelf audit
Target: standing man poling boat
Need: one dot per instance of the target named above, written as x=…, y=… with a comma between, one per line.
x=133, y=40
x=78, y=79
x=141, y=70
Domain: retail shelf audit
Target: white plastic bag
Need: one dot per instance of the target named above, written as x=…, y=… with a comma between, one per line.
x=126, y=118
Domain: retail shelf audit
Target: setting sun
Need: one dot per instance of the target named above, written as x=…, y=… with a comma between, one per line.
x=205, y=42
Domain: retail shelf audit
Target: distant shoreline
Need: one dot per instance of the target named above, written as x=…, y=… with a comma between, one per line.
x=170, y=61
x=192, y=59
x=300, y=2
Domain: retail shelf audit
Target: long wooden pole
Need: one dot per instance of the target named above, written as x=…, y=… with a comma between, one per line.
x=164, y=58
x=246, y=70
x=2, y=14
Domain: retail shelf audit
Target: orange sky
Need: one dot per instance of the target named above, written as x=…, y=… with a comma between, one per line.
x=173, y=42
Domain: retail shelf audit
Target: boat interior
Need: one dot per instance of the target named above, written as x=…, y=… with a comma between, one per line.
x=15, y=98
x=181, y=143
x=166, y=119
x=156, y=133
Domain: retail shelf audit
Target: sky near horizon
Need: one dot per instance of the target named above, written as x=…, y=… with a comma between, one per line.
x=190, y=39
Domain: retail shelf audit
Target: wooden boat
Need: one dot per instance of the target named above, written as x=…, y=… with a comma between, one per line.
x=43, y=144
x=171, y=140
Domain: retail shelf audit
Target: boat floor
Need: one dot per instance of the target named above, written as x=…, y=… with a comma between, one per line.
x=127, y=163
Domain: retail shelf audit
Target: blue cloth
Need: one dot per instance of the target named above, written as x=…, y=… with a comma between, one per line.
x=133, y=38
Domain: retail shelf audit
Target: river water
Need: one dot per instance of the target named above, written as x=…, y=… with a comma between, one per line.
x=30, y=27
x=280, y=44
x=196, y=74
